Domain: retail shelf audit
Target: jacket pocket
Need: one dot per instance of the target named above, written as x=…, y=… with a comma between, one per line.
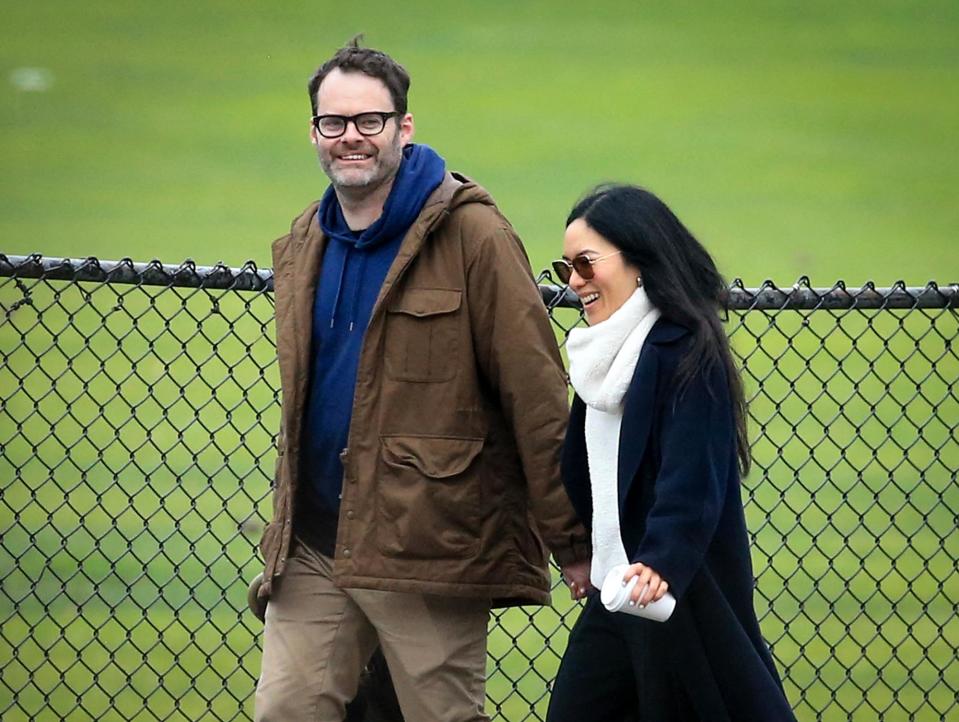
x=428, y=497
x=421, y=330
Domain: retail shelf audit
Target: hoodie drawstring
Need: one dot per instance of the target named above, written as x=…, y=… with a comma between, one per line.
x=361, y=269
x=339, y=286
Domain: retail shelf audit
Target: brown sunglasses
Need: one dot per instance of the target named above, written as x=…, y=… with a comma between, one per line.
x=582, y=264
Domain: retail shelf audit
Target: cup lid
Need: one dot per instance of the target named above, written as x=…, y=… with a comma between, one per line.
x=613, y=592
x=609, y=595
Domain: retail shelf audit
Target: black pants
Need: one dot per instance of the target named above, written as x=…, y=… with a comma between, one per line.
x=617, y=668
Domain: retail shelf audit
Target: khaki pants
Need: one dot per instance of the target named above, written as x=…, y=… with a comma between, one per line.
x=318, y=638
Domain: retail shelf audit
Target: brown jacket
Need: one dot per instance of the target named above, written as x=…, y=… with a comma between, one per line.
x=451, y=475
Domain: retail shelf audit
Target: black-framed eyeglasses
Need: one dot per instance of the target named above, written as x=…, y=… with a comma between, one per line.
x=371, y=122
x=582, y=264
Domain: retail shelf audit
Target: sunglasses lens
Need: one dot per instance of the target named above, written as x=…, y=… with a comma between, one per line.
x=562, y=271
x=583, y=267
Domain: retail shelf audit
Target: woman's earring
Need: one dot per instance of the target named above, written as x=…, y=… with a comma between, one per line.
x=639, y=281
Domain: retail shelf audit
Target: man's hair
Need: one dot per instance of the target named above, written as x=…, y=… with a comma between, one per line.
x=354, y=59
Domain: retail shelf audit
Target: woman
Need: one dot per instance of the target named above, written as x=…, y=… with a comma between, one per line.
x=654, y=450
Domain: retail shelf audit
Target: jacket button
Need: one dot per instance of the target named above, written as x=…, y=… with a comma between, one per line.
x=346, y=553
x=349, y=514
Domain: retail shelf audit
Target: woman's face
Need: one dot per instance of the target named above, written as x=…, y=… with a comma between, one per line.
x=614, y=279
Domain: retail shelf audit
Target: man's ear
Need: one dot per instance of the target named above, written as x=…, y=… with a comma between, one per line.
x=407, y=129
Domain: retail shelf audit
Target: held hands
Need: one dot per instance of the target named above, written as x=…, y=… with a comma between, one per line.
x=650, y=587
x=576, y=576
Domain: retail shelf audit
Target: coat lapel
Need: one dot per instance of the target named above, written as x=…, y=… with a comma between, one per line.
x=639, y=405
x=637, y=420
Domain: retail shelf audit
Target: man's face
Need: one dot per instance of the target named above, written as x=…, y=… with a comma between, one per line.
x=354, y=161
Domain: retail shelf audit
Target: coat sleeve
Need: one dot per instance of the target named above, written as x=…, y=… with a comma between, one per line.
x=697, y=442
x=575, y=466
x=518, y=356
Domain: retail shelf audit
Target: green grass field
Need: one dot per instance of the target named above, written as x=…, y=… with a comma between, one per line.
x=816, y=140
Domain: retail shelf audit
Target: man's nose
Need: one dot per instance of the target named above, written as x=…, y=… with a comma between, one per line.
x=351, y=134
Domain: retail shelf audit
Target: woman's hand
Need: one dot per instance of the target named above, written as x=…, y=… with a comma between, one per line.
x=649, y=588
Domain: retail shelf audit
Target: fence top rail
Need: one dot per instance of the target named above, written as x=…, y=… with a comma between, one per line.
x=767, y=297
x=126, y=271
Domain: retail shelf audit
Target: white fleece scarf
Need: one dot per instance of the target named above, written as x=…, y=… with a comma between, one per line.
x=602, y=359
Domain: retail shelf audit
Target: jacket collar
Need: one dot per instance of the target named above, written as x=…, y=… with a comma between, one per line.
x=666, y=331
x=434, y=211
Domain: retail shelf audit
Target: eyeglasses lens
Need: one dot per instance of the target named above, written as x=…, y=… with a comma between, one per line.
x=331, y=126
x=369, y=123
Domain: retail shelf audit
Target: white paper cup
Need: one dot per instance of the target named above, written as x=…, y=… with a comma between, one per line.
x=615, y=597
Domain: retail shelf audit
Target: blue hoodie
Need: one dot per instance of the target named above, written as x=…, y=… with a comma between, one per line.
x=354, y=266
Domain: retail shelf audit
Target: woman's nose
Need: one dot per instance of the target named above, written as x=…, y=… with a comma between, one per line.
x=575, y=280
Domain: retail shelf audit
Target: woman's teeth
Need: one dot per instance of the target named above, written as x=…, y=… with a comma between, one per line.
x=589, y=298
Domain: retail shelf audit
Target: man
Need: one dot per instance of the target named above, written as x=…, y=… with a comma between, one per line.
x=424, y=407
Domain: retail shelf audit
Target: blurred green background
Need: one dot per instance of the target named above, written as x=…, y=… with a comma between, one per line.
x=795, y=138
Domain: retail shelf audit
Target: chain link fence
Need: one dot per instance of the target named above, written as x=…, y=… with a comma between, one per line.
x=138, y=407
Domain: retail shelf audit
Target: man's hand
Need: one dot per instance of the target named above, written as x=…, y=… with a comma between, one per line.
x=576, y=576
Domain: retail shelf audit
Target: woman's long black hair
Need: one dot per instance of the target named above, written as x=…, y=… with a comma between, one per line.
x=679, y=276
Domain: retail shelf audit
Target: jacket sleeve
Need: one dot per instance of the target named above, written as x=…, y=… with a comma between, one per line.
x=518, y=356
x=697, y=442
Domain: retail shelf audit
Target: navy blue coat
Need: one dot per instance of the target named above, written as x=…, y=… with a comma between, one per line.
x=681, y=513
